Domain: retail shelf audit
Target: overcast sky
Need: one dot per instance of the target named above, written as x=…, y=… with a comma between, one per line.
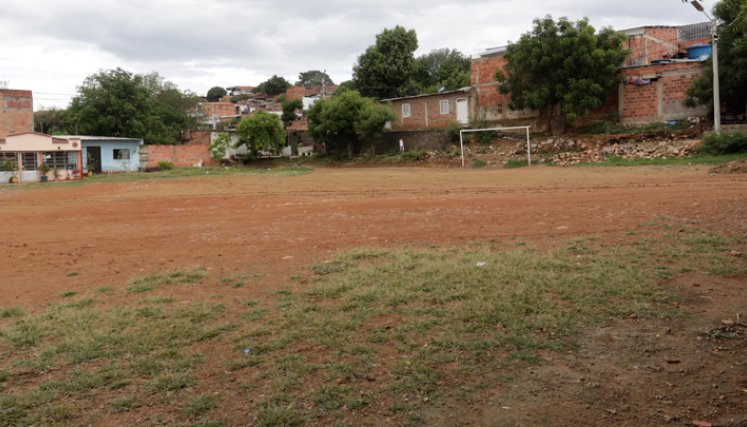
x=50, y=46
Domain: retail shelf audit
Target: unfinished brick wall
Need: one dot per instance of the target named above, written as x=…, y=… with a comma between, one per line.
x=16, y=111
x=482, y=79
x=195, y=150
x=654, y=43
x=662, y=98
x=219, y=109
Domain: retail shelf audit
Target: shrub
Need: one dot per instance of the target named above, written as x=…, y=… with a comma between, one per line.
x=477, y=164
x=482, y=137
x=165, y=165
x=452, y=131
x=724, y=142
x=415, y=155
x=515, y=163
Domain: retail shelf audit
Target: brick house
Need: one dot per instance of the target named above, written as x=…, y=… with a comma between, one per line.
x=432, y=111
x=16, y=112
x=656, y=78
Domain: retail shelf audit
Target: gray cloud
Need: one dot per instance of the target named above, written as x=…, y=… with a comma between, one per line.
x=225, y=42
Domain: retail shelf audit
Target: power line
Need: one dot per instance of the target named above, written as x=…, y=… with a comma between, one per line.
x=53, y=93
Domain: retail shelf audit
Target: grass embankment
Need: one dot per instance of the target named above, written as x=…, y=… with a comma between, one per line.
x=274, y=169
x=405, y=334
x=698, y=159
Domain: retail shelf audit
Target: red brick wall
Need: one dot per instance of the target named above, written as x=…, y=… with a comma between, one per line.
x=195, y=150
x=482, y=78
x=218, y=109
x=16, y=111
x=418, y=108
x=295, y=92
x=641, y=103
x=655, y=43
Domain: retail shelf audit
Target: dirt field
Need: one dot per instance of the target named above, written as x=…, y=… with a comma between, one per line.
x=628, y=373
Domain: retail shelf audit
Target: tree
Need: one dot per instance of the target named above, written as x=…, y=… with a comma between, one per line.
x=273, y=86
x=261, y=132
x=313, y=78
x=345, y=119
x=386, y=69
x=563, y=66
x=219, y=145
x=215, y=93
x=53, y=122
x=122, y=104
x=732, y=60
x=289, y=110
x=442, y=68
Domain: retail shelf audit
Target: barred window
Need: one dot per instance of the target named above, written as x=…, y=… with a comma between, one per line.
x=66, y=160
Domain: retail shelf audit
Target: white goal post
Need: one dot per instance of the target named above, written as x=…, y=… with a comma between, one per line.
x=529, y=143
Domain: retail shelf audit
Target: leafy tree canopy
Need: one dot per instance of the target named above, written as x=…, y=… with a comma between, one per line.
x=442, y=68
x=347, y=118
x=386, y=69
x=261, y=131
x=273, y=86
x=122, y=104
x=563, y=64
x=215, y=93
x=289, y=110
x=53, y=122
x=732, y=59
x=313, y=78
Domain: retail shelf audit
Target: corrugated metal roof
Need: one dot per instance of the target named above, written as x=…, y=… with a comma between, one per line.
x=462, y=90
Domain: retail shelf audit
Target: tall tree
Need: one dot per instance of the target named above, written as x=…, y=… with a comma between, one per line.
x=215, y=93
x=732, y=59
x=289, y=110
x=53, y=121
x=122, y=104
x=386, y=69
x=442, y=68
x=562, y=65
x=343, y=120
x=273, y=86
x=313, y=78
x=261, y=131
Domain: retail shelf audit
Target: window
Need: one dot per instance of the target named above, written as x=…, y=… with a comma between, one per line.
x=72, y=160
x=122, y=154
x=444, y=104
x=29, y=161
x=61, y=159
x=406, y=110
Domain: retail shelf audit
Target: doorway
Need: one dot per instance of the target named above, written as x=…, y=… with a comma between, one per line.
x=462, y=111
x=93, y=159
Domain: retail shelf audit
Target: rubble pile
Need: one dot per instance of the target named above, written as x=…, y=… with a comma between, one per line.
x=629, y=151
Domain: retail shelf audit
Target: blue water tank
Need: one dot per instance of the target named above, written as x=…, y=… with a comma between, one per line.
x=700, y=52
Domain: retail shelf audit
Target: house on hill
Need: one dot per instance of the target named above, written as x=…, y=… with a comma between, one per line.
x=656, y=76
x=431, y=111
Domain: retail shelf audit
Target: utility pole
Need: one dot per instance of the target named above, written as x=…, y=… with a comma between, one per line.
x=714, y=55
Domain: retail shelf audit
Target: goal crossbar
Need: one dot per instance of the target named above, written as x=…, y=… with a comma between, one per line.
x=526, y=128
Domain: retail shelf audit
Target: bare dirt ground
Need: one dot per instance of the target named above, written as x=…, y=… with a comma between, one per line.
x=628, y=373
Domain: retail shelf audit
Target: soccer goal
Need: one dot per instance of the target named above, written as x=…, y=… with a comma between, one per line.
x=498, y=129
